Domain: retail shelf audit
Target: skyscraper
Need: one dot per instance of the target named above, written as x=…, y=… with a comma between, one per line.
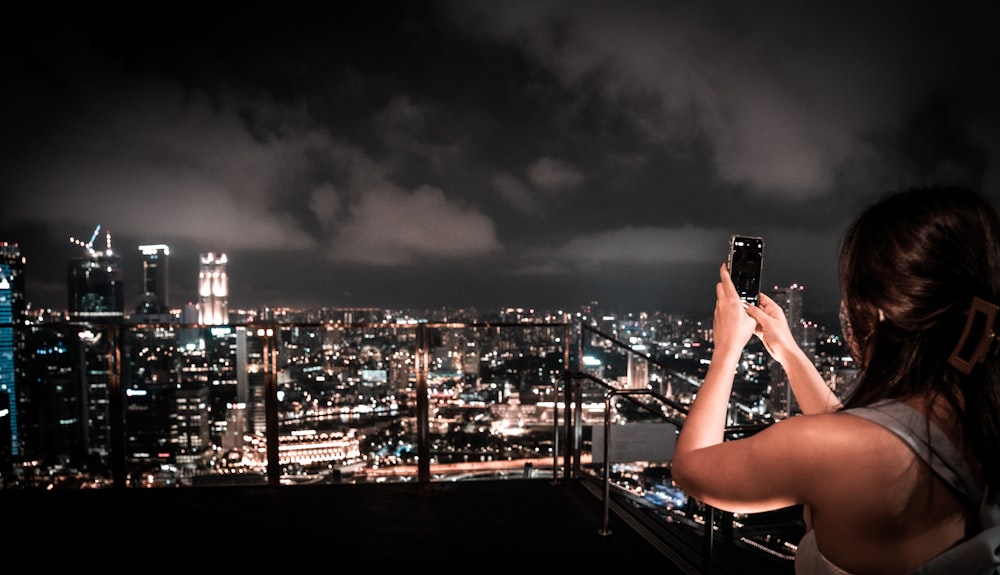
x=213, y=289
x=96, y=296
x=12, y=307
x=790, y=300
x=149, y=384
x=95, y=287
x=638, y=368
x=251, y=365
x=154, y=297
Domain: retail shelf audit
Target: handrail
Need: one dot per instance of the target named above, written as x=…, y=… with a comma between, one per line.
x=613, y=391
x=728, y=432
x=607, y=443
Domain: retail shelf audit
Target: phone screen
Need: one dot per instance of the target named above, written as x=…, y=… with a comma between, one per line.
x=746, y=259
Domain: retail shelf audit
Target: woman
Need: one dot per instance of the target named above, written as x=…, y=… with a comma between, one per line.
x=914, y=267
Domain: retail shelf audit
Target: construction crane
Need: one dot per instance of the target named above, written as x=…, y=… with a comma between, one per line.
x=89, y=245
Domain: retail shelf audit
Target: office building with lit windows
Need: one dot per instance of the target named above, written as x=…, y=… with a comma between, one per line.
x=790, y=300
x=95, y=285
x=96, y=291
x=155, y=276
x=12, y=305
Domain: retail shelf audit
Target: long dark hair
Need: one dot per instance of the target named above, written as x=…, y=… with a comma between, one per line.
x=910, y=266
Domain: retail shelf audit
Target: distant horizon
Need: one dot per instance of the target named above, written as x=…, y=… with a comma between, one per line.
x=54, y=294
x=826, y=319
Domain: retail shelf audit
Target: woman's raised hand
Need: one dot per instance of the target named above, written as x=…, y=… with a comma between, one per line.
x=772, y=328
x=732, y=326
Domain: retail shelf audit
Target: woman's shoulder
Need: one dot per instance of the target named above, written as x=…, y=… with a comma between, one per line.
x=842, y=449
x=840, y=429
x=925, y=425
x=901, y=418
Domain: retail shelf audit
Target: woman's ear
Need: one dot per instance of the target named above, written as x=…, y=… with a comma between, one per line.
x=881, y=316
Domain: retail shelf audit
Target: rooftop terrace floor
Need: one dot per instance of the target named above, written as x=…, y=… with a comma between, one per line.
x=488, y=524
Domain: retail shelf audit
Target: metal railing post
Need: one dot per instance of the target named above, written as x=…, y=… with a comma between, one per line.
x=422, y=355
x=566, y=444
x=574, y=429
x=576, y=399
x=116, y=406
x=606, y=502
x=709, y=539
x=607, y=446
x=271, y=407
x=555, y=433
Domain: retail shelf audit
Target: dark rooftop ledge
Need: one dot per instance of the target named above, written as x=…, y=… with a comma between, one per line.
x=525, y=522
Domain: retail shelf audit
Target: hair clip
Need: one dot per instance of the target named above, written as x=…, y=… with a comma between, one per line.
x=978, y=337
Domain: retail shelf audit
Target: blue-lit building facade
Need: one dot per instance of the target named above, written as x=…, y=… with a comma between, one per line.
x=12, y=307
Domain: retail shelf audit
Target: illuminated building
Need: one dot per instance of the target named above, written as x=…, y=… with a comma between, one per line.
x=310, y=448
x=638, y=369
x=96, y=295
x=191, y=436
x=251, y=362
x=155, y=274
x=213, y=289
x=150, y=388
x=208, y=392
x=790, y=300
x=12, y=308
x=95, y=287
x=151, y=382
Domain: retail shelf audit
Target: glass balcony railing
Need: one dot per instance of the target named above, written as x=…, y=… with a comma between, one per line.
x=636, y=399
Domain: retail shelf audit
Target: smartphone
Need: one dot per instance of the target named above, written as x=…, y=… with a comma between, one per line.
x=746, y=260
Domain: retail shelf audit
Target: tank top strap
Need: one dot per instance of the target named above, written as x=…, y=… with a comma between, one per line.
x=929, y=443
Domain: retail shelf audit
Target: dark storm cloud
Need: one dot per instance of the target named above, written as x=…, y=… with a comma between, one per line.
x=785, y=93
x=487, y=153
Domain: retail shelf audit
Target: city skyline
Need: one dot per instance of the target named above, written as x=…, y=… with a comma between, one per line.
x=475, y=154
x=146, y=297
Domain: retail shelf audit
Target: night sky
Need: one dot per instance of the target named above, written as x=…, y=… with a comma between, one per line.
x=539, y=154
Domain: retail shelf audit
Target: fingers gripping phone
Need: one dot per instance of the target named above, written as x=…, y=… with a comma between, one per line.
x=746, y=260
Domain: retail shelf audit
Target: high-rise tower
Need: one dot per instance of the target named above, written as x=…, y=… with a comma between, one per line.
x=638, y=368
x=213, y=289
x=790, y=300
x=12, y=307
x=154, y=297
x=96, y=296
x=95, y=287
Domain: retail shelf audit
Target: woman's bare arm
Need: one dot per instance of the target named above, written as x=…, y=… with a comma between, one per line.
x=732, y=329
